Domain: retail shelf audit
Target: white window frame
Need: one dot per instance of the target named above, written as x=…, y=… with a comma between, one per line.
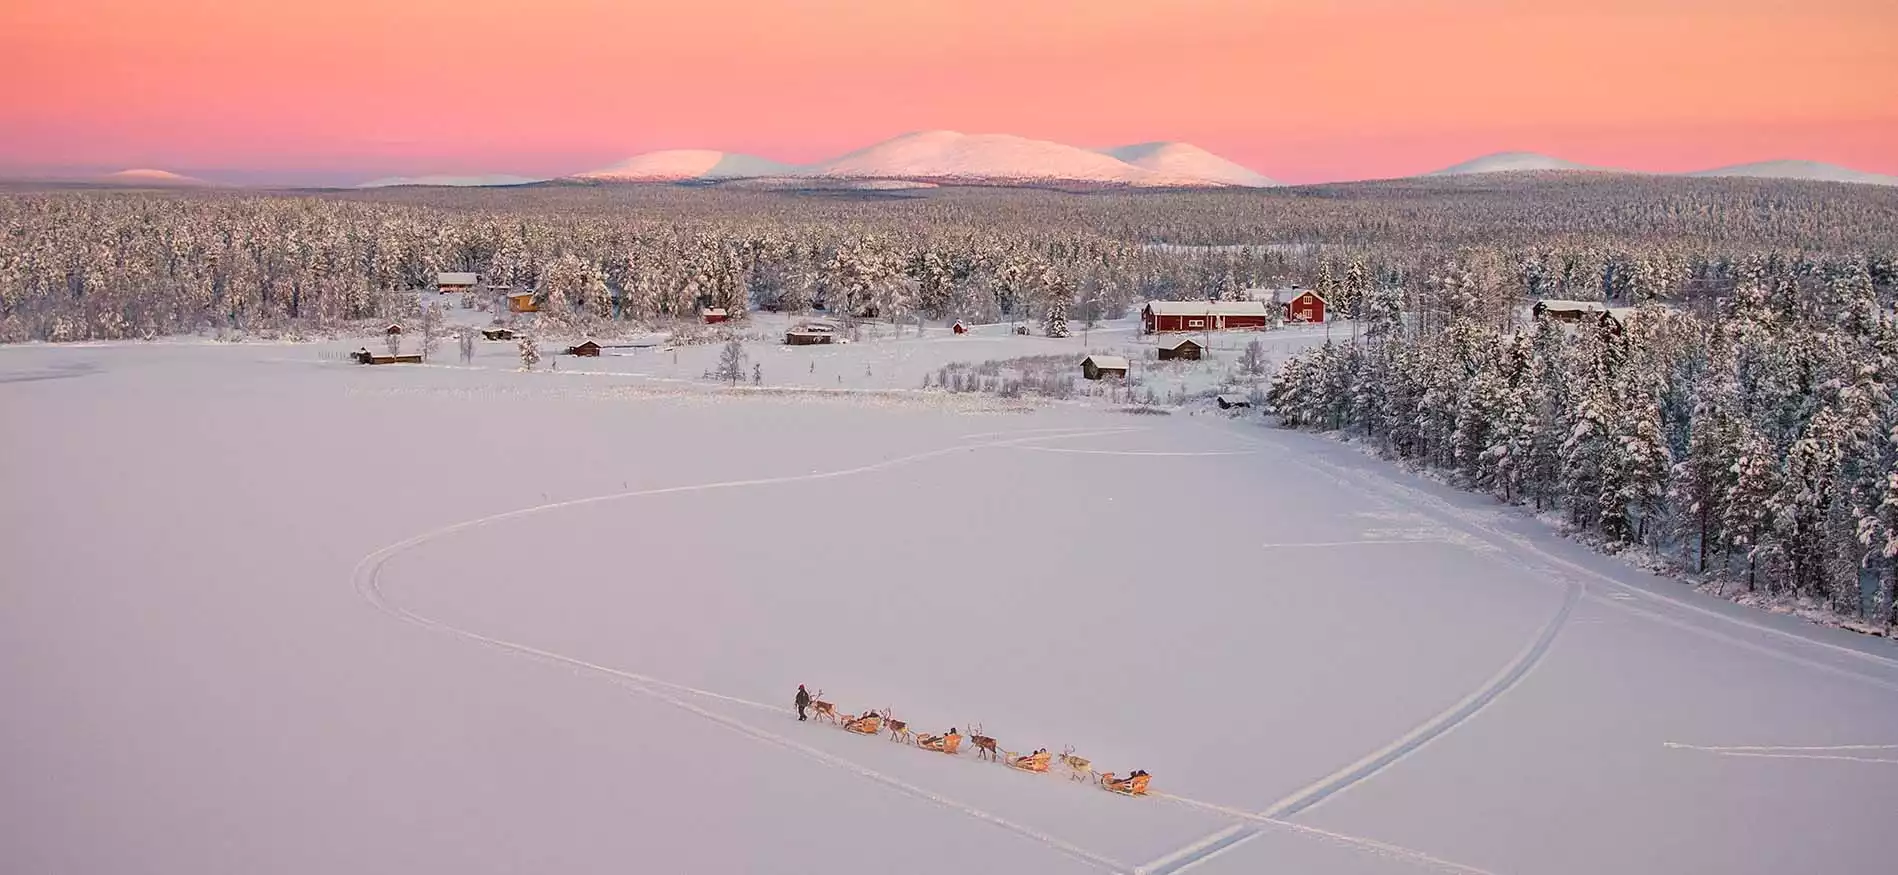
x=1196, y=323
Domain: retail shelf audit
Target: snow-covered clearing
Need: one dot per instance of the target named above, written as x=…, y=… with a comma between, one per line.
x=270, y=612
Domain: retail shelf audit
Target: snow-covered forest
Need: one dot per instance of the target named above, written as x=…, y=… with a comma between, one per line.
x=1756, y=439
x=78, y=264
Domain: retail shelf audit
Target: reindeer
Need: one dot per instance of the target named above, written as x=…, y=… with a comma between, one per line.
x=1079, y=768
x=984, y=745
x=821, y=708
x=899, y=729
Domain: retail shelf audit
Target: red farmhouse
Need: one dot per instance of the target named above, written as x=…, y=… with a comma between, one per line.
x=1163, y=316
x=1305, y=306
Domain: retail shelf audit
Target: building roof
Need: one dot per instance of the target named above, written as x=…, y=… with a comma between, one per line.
x=1108, y=362
x=1233, y=399
x=1206, y=308
x=1299, y=293
x=713, y=311
x=454, y=279
x=524, y=293
x=1176, y=344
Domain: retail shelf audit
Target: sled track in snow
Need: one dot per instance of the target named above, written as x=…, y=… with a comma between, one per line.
x=367, y=578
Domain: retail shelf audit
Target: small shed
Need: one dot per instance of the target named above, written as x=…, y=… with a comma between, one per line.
x=1228, y=402
x=522, y=302
x=498, y=333
x=808, y=336
x=959, y=328
x=1567, y=311
x=714, y=315
x=1306, y=305
x=589, y=348
x=392, y=329
x=1097, y=367
x=455, y=282
x=1184, y=348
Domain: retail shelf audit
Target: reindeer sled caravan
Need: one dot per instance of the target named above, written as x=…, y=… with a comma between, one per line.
x=873, y=722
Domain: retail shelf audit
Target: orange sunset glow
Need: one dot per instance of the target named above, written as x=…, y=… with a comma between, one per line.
x=1300, y=91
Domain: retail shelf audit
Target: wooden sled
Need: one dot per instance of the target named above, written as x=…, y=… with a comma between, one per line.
x=1034, y=762
x=1133, y=785
x=868, y=724
x=941, y=743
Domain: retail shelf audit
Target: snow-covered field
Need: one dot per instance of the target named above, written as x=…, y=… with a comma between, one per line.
x=271, y=612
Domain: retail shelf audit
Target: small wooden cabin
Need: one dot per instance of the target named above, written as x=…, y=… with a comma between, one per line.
x=498, y=333
x=808, y=337
x=1567, y=311
x=455, y=282
x=1096, y=367
x=1184, y=348
x=392, y=329
x=1228, y=402
x=589, y=349
x=1306, y=306
x=369, y=358
x=714, y=315
x=959, y=328
x=522, y=302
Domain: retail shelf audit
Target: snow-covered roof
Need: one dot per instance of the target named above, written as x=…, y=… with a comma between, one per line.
x=1176, y=344
x=1232, y=399
x=454, y=279
x=713, y=311
x=1206, y=308
x=1108, y=362
x=1299, y=293
x=523, y=293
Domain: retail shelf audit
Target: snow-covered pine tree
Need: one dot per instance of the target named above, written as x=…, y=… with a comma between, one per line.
x=530, y=352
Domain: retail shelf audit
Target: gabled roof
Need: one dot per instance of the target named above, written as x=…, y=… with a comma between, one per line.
x=454, y=279
x=1206, y=308
x=1107, y=362
x=712, y=311
x=1176, y=344
x=1299, y=293
x=524, y=293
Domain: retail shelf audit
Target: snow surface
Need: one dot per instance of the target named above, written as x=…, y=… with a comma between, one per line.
x=953, y=155
x=674, y=165
x=1789, y=169
x=319, y=617
x=1187, y=161
x=1512, y=162
x=149, y=176
x=452, y=181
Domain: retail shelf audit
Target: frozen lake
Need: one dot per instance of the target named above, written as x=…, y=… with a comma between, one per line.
x=265, y=612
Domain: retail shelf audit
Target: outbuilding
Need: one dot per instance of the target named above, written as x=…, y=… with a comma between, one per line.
x=714, y=315
x=1183, y=348
x=1097, y=367
x=588, y=348
x=959, y=328
x=455, y=282
x=1307, y=306
x=498, y=333
x=1567, y=311
x=392, y=329
x=808, y=336
x=1163, y=316
x=522, y=302
x=1228, y=402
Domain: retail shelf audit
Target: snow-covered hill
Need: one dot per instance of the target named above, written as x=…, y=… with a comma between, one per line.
x=451, y=181
x=1186, y=161
x=145, y=176
x=952, y=155
x=1511, y=162
x=678, y=165
x=1792, y=169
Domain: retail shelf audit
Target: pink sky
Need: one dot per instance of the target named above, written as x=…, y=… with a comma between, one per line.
x=1300, y=91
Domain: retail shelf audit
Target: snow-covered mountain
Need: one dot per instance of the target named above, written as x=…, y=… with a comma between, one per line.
x=145, y=176
x=1188, y=162
x=678, y=165
x=1810, y=170
x=1511, y=162
x=956, y=156
x=453, y=181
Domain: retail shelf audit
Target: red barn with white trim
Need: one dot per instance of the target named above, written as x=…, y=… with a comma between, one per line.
x=1163, y=316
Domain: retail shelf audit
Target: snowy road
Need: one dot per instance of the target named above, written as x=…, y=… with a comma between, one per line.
x=575, y=619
